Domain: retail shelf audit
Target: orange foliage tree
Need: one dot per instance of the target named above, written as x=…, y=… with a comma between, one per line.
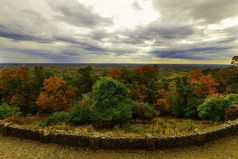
x=56, y=95
x=17, y=88
x=203, y=84
x=139, y=91
x=115, y=73
x=145, y=73
x=162, y=101
x=145, y=83
x=6, y=84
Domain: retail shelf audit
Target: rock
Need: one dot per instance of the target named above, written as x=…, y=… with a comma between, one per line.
x=231, y=112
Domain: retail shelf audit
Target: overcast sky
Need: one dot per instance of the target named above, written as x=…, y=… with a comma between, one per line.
x=119, y=31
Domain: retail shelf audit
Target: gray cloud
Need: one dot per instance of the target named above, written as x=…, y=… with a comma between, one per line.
x=164, y=31
x=136, y=5
x=18, y=36
x=204, y=53
x=211, y=11
x=70, y=31
x=51, y=55
x=75, y=13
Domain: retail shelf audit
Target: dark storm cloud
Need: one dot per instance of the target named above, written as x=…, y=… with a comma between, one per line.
x=76, y=14
x=192, y=53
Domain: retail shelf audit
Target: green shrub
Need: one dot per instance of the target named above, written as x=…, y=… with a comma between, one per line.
x=233, y=98
x=109, y=117
x=80, y=114
x=143, y=110
x=108, y=93
x=213, y=107
x=133, y=128
x=192, y=105
x=58, y=117
x=110, y=101
x=7, y=111
x=181, y=98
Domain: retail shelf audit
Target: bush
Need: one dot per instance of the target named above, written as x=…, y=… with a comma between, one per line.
x=233, y=98
x=110, y=101
x=58, y=117
x=80, y=114
x=133, y=128
x=109, y=117
x=143, y=110
x=214, y=107
x=192, y=106
x=7, y=111
x=107, y=93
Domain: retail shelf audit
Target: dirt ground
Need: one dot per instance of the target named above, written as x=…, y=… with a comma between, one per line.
x=14, y=148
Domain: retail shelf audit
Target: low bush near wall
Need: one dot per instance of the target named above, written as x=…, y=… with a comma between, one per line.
x=6, y=111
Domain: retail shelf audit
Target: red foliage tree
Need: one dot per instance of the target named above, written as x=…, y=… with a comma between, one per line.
x=162, y=101
x=145, y=83
x=17, y=88
x=55, y=96
x=203, y=84
x=115, y=73
x=144, y=69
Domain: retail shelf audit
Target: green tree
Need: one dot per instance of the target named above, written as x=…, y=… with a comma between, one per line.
x=228, y=79
x=84, y=80
x=182, y=100
x=234, y=60
x=214, y=107
x=110, y=100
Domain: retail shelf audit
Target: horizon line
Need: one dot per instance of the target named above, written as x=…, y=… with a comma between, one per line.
x=112, y=63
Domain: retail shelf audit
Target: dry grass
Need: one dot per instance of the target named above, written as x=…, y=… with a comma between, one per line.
x=162, y=126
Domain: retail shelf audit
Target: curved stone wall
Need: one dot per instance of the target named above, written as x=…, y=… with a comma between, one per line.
x=147, y=142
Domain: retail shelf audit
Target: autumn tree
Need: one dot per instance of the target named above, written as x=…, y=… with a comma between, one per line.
x=228, y=80
x=7, y=84
x=139, y=91
x=18, y=88
x=144, y=84
x=145, y=73
x=56, y=95
x=162, y=101
x=203, y=84
x=115, y=73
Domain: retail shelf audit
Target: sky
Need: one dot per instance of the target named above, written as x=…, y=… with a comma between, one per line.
x=118, y=31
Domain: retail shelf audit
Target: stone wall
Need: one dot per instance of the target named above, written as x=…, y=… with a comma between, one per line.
x=147, y=142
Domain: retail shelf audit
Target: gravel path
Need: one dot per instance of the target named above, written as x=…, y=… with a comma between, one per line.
x=14, y=148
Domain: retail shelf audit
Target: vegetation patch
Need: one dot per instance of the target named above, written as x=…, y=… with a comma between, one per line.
x=118, y=101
